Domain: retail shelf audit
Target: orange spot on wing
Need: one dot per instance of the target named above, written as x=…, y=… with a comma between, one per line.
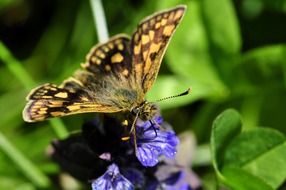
x=151, y=34
x=137, y=49
x=73, y=107
x=57, y=113
x=145, y=39
x=41, y=112
x=157, y=25
x=120, y=47
x=168, y=30
x=61, y=95
x=117, y=58
x=163, y=22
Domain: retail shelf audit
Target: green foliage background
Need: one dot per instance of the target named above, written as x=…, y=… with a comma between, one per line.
x=232, y=54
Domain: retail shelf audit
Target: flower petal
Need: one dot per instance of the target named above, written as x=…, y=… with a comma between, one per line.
x=147, y=154
x=135, y=176
x=153, y=142
x=112, y=180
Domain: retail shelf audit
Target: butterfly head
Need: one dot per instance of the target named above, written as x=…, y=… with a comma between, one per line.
x=146, y=111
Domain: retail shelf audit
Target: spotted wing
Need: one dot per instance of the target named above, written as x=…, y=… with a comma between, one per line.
x=112, y=59
x=103, y=85
x=149, y=43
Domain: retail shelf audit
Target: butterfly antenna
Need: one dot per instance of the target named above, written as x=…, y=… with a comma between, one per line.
x=188, y=91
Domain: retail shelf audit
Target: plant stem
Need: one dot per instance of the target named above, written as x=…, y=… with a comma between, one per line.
x=99, y=20
x=28, y=168
x=59, y=128
x=15, y=67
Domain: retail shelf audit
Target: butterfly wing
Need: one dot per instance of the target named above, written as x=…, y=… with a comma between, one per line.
x=149, y=43
x=105, y=84
x=115, y=76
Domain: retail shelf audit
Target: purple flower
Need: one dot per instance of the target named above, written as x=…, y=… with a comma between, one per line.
x=154, y=141
x=112, y=180
x=98, y=155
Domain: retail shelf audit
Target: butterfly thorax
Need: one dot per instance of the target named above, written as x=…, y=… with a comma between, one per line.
x=145, y=111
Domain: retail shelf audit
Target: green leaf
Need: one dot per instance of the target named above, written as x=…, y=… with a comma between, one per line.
x=269, y=65
x=225, y=127
x=272, y=160
x=253, y=8
x=259, y=152
x=250, y=145
x=15, y=184
x=221, y=26
x=238, y=179
x=223, y=34
x=273, y=114
x=253, y=155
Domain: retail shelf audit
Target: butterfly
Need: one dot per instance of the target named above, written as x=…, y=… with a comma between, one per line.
x=115, y=76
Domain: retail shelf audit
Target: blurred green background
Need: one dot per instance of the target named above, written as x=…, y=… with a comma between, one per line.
x=231, y=52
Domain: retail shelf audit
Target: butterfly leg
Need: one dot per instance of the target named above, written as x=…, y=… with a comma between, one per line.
x=134, y=123
x=153, y=127
x=135, y=139
x=126, y=135
x=133, y=130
